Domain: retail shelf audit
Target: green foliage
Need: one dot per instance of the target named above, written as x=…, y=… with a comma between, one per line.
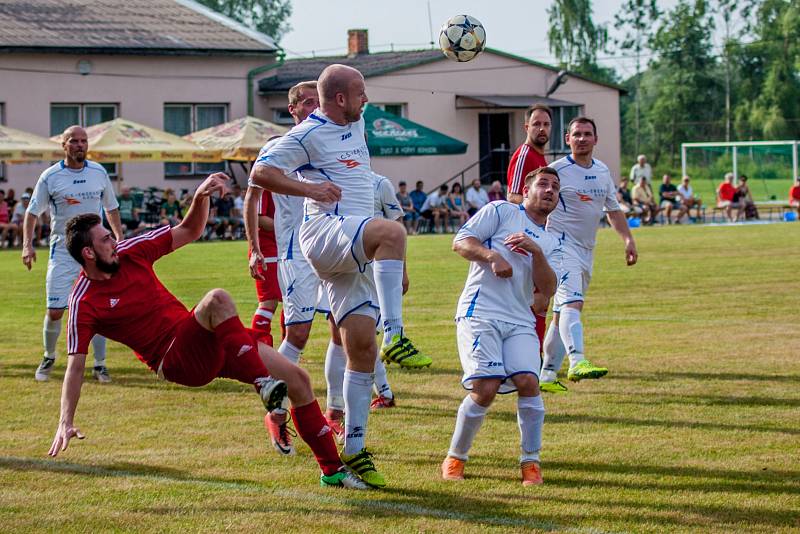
x=270, y=17
x=576, y=40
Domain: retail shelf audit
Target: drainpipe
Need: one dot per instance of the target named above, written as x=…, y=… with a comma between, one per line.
x=259, y=70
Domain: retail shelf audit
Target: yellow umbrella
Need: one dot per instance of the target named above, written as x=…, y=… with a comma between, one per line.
x=19, y=146
x=124, y=140
x=240, y=139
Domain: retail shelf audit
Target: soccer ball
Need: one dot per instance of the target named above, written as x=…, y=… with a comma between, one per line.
x=462, y=38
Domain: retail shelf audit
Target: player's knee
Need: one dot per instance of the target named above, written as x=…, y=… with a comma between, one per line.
x=527, y=385
x=297, y=334
x=219, y=299
x=55, y=315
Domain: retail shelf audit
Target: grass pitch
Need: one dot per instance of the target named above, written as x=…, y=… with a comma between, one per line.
x=696, y=428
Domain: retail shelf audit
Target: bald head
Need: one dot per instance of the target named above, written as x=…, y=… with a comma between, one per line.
x=336, y=79
x=342, y=93
x=76, y=144
x=72, y=131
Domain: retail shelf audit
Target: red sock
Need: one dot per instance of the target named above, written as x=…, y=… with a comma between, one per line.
x=262, y=325
x=283, y=325
x=541, y=328
x=242, y=361
x=314, y=430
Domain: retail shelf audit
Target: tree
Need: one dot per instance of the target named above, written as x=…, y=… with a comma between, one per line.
x=267, y=16
x=575, y=39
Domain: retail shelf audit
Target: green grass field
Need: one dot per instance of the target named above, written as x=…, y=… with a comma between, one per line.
x=696, y=428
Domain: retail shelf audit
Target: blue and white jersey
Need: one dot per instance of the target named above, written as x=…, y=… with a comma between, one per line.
x=586, y=194
x=288, y=216
x=485, y=294
x=322, y=151
x=386, y=204
x=70, y=192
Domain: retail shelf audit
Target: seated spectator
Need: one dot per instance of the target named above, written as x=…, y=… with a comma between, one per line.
x=625, y=201
x=227, y=223
x=18, y=218
x=457, y=205
x=171, y=209
x=794, y=196
x=476, y=197
x=644, y=199
x=726, y=200
x=688, y=199
x=435, y=209
x=129, y=213
x=669, y=200
x=11, y=199
x=410, y=213
x=743, y=196
x=496, y=191
x=418, y=197
x=8, y=230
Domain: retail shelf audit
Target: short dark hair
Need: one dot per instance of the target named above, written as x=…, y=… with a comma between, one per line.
x=294, y=92
x=420, y=182
x=77, y=231
x=531, y=109
x=531, y=176
x=582, y=120
x=401, y=183
x=443, y=187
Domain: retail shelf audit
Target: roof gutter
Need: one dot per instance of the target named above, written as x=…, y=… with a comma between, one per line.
x=251, y=75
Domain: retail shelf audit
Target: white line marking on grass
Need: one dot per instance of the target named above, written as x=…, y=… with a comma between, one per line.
x=254, y=487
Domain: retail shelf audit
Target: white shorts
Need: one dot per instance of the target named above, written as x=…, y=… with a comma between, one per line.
x=574, y=272
x=301, y=291
x=334, y=247
x=490, y=348
x=62, y=271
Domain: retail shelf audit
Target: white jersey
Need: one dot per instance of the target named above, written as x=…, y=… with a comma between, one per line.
x=586, y=193
x=322, y=151
x=288, y=216
x=485, y=294
x=386, y=204
x=69, y=192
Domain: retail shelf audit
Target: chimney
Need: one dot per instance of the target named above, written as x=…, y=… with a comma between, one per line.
x=357, y=42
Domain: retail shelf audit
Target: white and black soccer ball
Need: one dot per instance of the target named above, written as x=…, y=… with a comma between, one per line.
x=462, y=38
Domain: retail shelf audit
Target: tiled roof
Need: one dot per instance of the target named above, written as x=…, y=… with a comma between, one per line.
x=139, y=26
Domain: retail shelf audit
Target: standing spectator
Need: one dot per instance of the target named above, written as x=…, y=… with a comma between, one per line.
x=410, y=213
x=434, y=209
x=171, y=213
x=476, y=197
x=457, y=205
x=8, y=230
x=644, y=199
x=794, y=196
x=726, y=199
x=641, y=168
x=687, y=197
x=129, y=212
x=669, y=199
x=238, y=201
x=496, y=191
x=625, y=200
x=743, y=196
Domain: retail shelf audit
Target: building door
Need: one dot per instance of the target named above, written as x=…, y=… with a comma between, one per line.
x=494, y=142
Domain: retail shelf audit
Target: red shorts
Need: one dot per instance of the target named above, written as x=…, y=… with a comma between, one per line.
x=196, y=358
x=268, y=289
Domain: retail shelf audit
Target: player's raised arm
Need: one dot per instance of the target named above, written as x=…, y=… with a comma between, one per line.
x=194, y=223
x=273, y=179
x=70, y=394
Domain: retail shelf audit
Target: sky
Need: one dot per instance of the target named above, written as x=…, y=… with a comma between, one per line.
x=515, y=26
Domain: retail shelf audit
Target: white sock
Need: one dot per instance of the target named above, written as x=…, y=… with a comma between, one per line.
x=99, y=349
x=265, y=313
x=50, y=333
x=289, y=351
x=357, y=395
x=335, y=363
x=530, y=418
x=554, y=353
x=468, y=422
x=571, y=330
x=381, y=382
x=389, y=285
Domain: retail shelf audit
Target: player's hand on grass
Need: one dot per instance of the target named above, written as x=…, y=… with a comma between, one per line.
x=64, y=433
x=257, y=260
x=631, y=255
x=325, y=192
x=28, y=256
x=520, y=241
x=215, y=183
x=501, y=267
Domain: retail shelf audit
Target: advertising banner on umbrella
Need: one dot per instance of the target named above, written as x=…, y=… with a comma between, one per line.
x=390, y=135
x=19, y=147
x=240, y=139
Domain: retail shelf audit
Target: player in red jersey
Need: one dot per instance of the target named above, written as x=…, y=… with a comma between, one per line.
x=268, y=290
x=530, y=155
x=526, y=159
x=119, y=296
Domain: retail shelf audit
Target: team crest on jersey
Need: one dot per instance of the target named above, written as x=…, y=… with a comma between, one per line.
x=583, y=198
x=349, y=163
x=113, y=302
x=72, y=201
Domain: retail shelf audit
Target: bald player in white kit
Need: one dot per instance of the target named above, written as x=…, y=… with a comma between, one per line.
x=587, y=193
x=71, y=187
x=339, y=237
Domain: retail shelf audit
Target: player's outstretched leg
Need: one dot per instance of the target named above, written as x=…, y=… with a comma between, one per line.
x=50, y=332
x=530, y=418
x=335, y=365
x=276, y=421
x=554, y=353
x=571, y=330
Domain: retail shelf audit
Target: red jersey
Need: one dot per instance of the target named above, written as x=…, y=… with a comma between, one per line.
x=794, y=192
x=726, y=191
x=524, y=160
x=266, y=239
x=132, y=307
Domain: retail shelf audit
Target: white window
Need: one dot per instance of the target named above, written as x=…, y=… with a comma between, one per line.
x=63, y=116
x=282, y=116
x=2, y=164
x=561, y=117
x=183, y=119
x=398, y=109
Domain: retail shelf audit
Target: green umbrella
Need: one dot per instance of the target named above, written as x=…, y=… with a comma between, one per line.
x=390, y=135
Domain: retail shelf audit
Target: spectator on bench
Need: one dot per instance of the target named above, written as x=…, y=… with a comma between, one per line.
x=171, y=213
x=410, y=213
x=476, y=197
x=457, y=205
x=794, y=196
x=743, y=196
x=8, y=230
x=625, y=201
x=129, y=213
x=496, y=191
x=644, y=199
x=670, y=199
x=726, y=199
x=435, y=211
x=688, y=199
x=418, y=197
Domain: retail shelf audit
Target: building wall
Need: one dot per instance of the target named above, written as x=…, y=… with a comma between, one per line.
x=141, y=85
x=430, y=93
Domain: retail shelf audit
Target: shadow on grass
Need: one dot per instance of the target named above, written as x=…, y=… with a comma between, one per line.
x=673, y=375
x=713, y=400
